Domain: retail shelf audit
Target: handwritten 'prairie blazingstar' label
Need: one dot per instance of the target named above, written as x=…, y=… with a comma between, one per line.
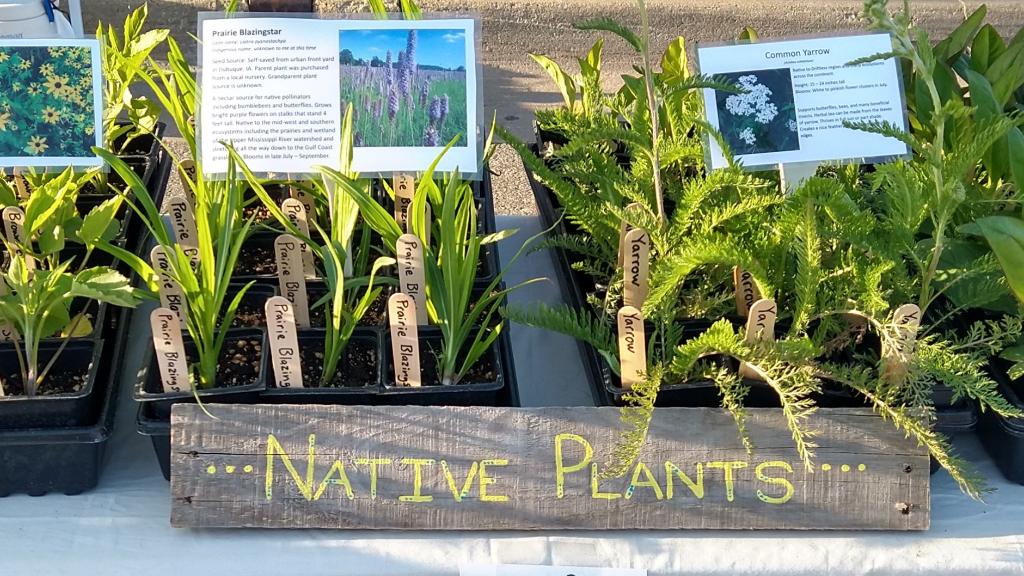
x=405, y=343
x=411, y=276
x=170, y=350
x=172, y=296
x=290, y=278
x=404, y=186
x=284, y=342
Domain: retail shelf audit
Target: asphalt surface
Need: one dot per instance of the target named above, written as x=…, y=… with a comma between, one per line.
x=514, y=86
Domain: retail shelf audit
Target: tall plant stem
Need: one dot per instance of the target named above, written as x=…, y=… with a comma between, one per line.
x=652, y=107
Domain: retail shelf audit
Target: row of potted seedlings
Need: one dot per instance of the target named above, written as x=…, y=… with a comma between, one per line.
x=66, y=296
x=888, y=286
x=319, y=263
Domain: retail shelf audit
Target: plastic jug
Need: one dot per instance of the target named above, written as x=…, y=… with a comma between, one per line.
x=30, y=19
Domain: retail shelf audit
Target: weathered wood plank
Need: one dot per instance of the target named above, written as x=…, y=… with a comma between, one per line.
x=529, y=469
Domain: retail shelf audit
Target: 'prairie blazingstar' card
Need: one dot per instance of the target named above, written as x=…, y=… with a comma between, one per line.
x=277, y=89
x=51, y=103
x=791, y=99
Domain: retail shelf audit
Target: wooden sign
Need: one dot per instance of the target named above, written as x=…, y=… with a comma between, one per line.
x=760, y=326
x=906, y=319
x=405, y=342
x=183, y=223
x=632, y=346
x=404, y=186
x=477, y=468
x=172, y=296
x=746, y=290
x=284, y=342
x=635, y=271
x=290, y=278
x=411, y=275
x=296, y=213
x=14, y=232
x=169, y=350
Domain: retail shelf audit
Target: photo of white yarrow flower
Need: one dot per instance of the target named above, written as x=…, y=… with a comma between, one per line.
x=760, y=116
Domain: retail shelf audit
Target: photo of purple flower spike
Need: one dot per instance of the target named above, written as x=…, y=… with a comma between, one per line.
x=408, y=84
x=392, y=104
x=430, y=136
x=435, y=111
x=357, y=140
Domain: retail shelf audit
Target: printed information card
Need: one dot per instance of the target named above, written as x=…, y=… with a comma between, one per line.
x=278, y=89
x=794, y=96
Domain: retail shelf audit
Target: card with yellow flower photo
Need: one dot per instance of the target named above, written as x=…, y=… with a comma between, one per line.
x=51, y=103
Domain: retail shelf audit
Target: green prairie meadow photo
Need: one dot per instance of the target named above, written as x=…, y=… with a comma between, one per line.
x=407, y=87
x=47, y=101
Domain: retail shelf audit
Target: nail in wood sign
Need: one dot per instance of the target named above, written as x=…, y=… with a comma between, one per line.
x=635, y=273
x=404, y=186
x=405, y=343
x=907, y=319
x=411, y=276
x=632, y=346
x=170, y=350
x=14, y=232
x=296, y=213
x=746, y=290
x=172, y=296
x=760, y=326
x=284, y=342
x=486, y=468
x=290, y=278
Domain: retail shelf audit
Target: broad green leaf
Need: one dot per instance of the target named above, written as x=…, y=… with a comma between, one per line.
x=606, y=24
x=987, y=46
x=1007, y=71
x=1013, y=353
x=748, y=35
x=78, y=327
x=958, y=40
x=100, y=221
x=566, y=85
x=498, y=236
x=1015, y=156
x=105, y=285
x=674, y=63
x=1005, y=235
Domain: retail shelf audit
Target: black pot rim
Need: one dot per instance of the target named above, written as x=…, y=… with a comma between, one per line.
x=90, y=382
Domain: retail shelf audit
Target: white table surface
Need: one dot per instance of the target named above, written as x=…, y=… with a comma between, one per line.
x=122, y=526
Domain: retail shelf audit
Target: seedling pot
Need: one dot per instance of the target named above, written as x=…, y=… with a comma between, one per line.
x=80, y=356
x=148, y=388
x=363, y=341
x=501, y=390
x=1004, y=437
x=67, y=459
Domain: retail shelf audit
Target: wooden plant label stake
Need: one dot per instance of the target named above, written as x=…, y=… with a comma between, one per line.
x=296, y=213
x=301, y=196
x=290, y=278
x=746, y=290
x=284, y=342
x=411, y=275
x=7, y=331
x=760, y=327
x=172, y=296
x=405, y=342
x=21, y=186
x=170, y=350
x=907, y=319
x=404, y=186
x=183, y=223
x=632, y=346
x=623, y=229
x=14, y=231
x=636, y=268
x=792, y=175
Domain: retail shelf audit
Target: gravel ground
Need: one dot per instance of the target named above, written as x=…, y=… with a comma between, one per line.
x=515, y=86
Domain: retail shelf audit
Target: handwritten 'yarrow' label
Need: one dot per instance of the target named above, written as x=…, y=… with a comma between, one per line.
x=898, y=352
x=746, y=290
x=760, y=327
x=632, y=346
x=405, y=344
x=636, y=268
x=284, y=342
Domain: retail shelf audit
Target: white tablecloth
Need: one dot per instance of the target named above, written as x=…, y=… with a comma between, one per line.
x=122, y=526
